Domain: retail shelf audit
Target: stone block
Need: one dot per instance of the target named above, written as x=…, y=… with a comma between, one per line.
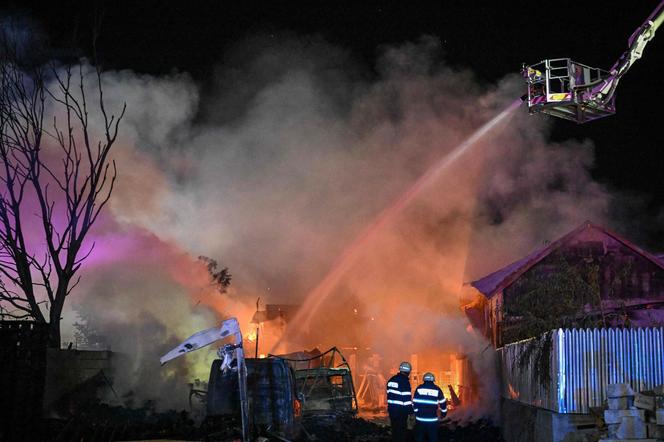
x=655, y=431
x=632, y=427
x=628, y=440
x=621, y=403
x=660, y=416
x=612, y=429
x=619, y=390
x=644, y=402
x=651, y=417
x=615, y=416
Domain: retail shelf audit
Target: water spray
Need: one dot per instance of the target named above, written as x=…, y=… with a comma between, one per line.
x=320, y=293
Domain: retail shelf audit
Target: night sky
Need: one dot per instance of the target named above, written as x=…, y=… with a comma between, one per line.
x=490, y=38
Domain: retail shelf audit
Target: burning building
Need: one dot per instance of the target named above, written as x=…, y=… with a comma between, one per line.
x=270, y=324
x=615, y=283
x=583, y=312
x=369, y=366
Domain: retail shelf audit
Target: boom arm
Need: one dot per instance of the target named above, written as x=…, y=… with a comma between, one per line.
x=228, y=328
x=603, y=92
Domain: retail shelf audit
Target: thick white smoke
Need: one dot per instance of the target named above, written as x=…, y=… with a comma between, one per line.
x=276, y=168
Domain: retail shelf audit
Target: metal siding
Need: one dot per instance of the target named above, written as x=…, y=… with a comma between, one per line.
x=583, y=363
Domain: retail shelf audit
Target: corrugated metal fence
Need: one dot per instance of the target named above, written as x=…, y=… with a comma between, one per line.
x=581, y=364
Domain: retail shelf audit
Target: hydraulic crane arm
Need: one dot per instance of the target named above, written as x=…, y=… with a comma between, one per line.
x=567, y=89
x=603, y=92
x=228, y=328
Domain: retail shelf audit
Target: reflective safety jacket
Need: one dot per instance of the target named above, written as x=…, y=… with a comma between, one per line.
x=426, y=401
x=399, y=395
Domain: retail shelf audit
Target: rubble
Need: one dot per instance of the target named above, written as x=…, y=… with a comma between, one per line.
x=113, y=423
x=645, y=400
x=632, y=427
x=345, y=429
x=619, y=390
x=634, y=416
x=620, y=397
x=478, y=431
x=325, y=382
x=104, y=422
x=616, y=416
x=360, y=430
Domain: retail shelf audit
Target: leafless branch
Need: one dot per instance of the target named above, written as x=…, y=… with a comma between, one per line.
x=74, y=180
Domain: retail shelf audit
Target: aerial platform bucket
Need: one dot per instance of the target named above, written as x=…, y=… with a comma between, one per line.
x=560, y=86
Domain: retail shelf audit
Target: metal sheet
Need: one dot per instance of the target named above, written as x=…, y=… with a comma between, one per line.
x=582, y=364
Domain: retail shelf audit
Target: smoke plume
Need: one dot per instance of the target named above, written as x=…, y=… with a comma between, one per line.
x=276, y=168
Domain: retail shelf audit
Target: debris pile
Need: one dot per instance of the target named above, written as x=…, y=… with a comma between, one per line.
x=360, y=430
x=477, y=431
x=346, y=429
x=634, y=416
x=105, y=422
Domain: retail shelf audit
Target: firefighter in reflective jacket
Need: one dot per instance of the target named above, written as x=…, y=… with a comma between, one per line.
x=399, y=402
x=429, y=405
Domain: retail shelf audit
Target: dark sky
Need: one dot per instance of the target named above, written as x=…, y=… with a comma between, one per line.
x=492, y=38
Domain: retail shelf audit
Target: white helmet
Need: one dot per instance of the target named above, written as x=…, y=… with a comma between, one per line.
x=429, y=377
x=404, y=367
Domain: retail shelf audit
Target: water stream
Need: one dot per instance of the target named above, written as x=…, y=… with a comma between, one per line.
x=322, y=291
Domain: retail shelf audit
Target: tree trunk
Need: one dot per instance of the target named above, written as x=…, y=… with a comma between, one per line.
x=54, y=333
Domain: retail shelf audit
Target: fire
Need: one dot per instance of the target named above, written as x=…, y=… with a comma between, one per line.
x=450, y=369
x=252, y=335
x=512, y=392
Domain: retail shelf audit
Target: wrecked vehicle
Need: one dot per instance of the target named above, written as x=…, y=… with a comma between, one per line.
x=274, y=408
x=270, y=396
x=252, y=397
x=324, y=382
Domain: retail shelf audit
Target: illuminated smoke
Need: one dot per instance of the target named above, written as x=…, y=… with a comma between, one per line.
x=320, y=294
x=276, y=170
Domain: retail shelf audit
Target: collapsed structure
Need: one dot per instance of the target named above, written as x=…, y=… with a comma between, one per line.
x=365, y=364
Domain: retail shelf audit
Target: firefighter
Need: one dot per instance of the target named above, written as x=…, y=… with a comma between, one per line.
x=399, y=402
x=429, y=405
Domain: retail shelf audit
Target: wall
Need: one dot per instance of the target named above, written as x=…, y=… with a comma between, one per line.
x=582, y=364
x=74, y=379
x=525, y=423
x=22, y=371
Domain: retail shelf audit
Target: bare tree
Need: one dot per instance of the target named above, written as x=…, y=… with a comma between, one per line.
x=56, y=177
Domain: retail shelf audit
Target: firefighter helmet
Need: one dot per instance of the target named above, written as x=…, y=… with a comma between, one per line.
x=404, y=367
x=429, y=377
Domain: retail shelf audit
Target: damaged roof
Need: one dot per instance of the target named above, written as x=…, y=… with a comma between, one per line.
x=503, y=278
x=284, y=312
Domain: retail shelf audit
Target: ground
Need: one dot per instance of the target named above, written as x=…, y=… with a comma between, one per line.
x=118, y=423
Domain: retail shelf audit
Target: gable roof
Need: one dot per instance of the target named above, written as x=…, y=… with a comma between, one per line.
x=503, y=278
